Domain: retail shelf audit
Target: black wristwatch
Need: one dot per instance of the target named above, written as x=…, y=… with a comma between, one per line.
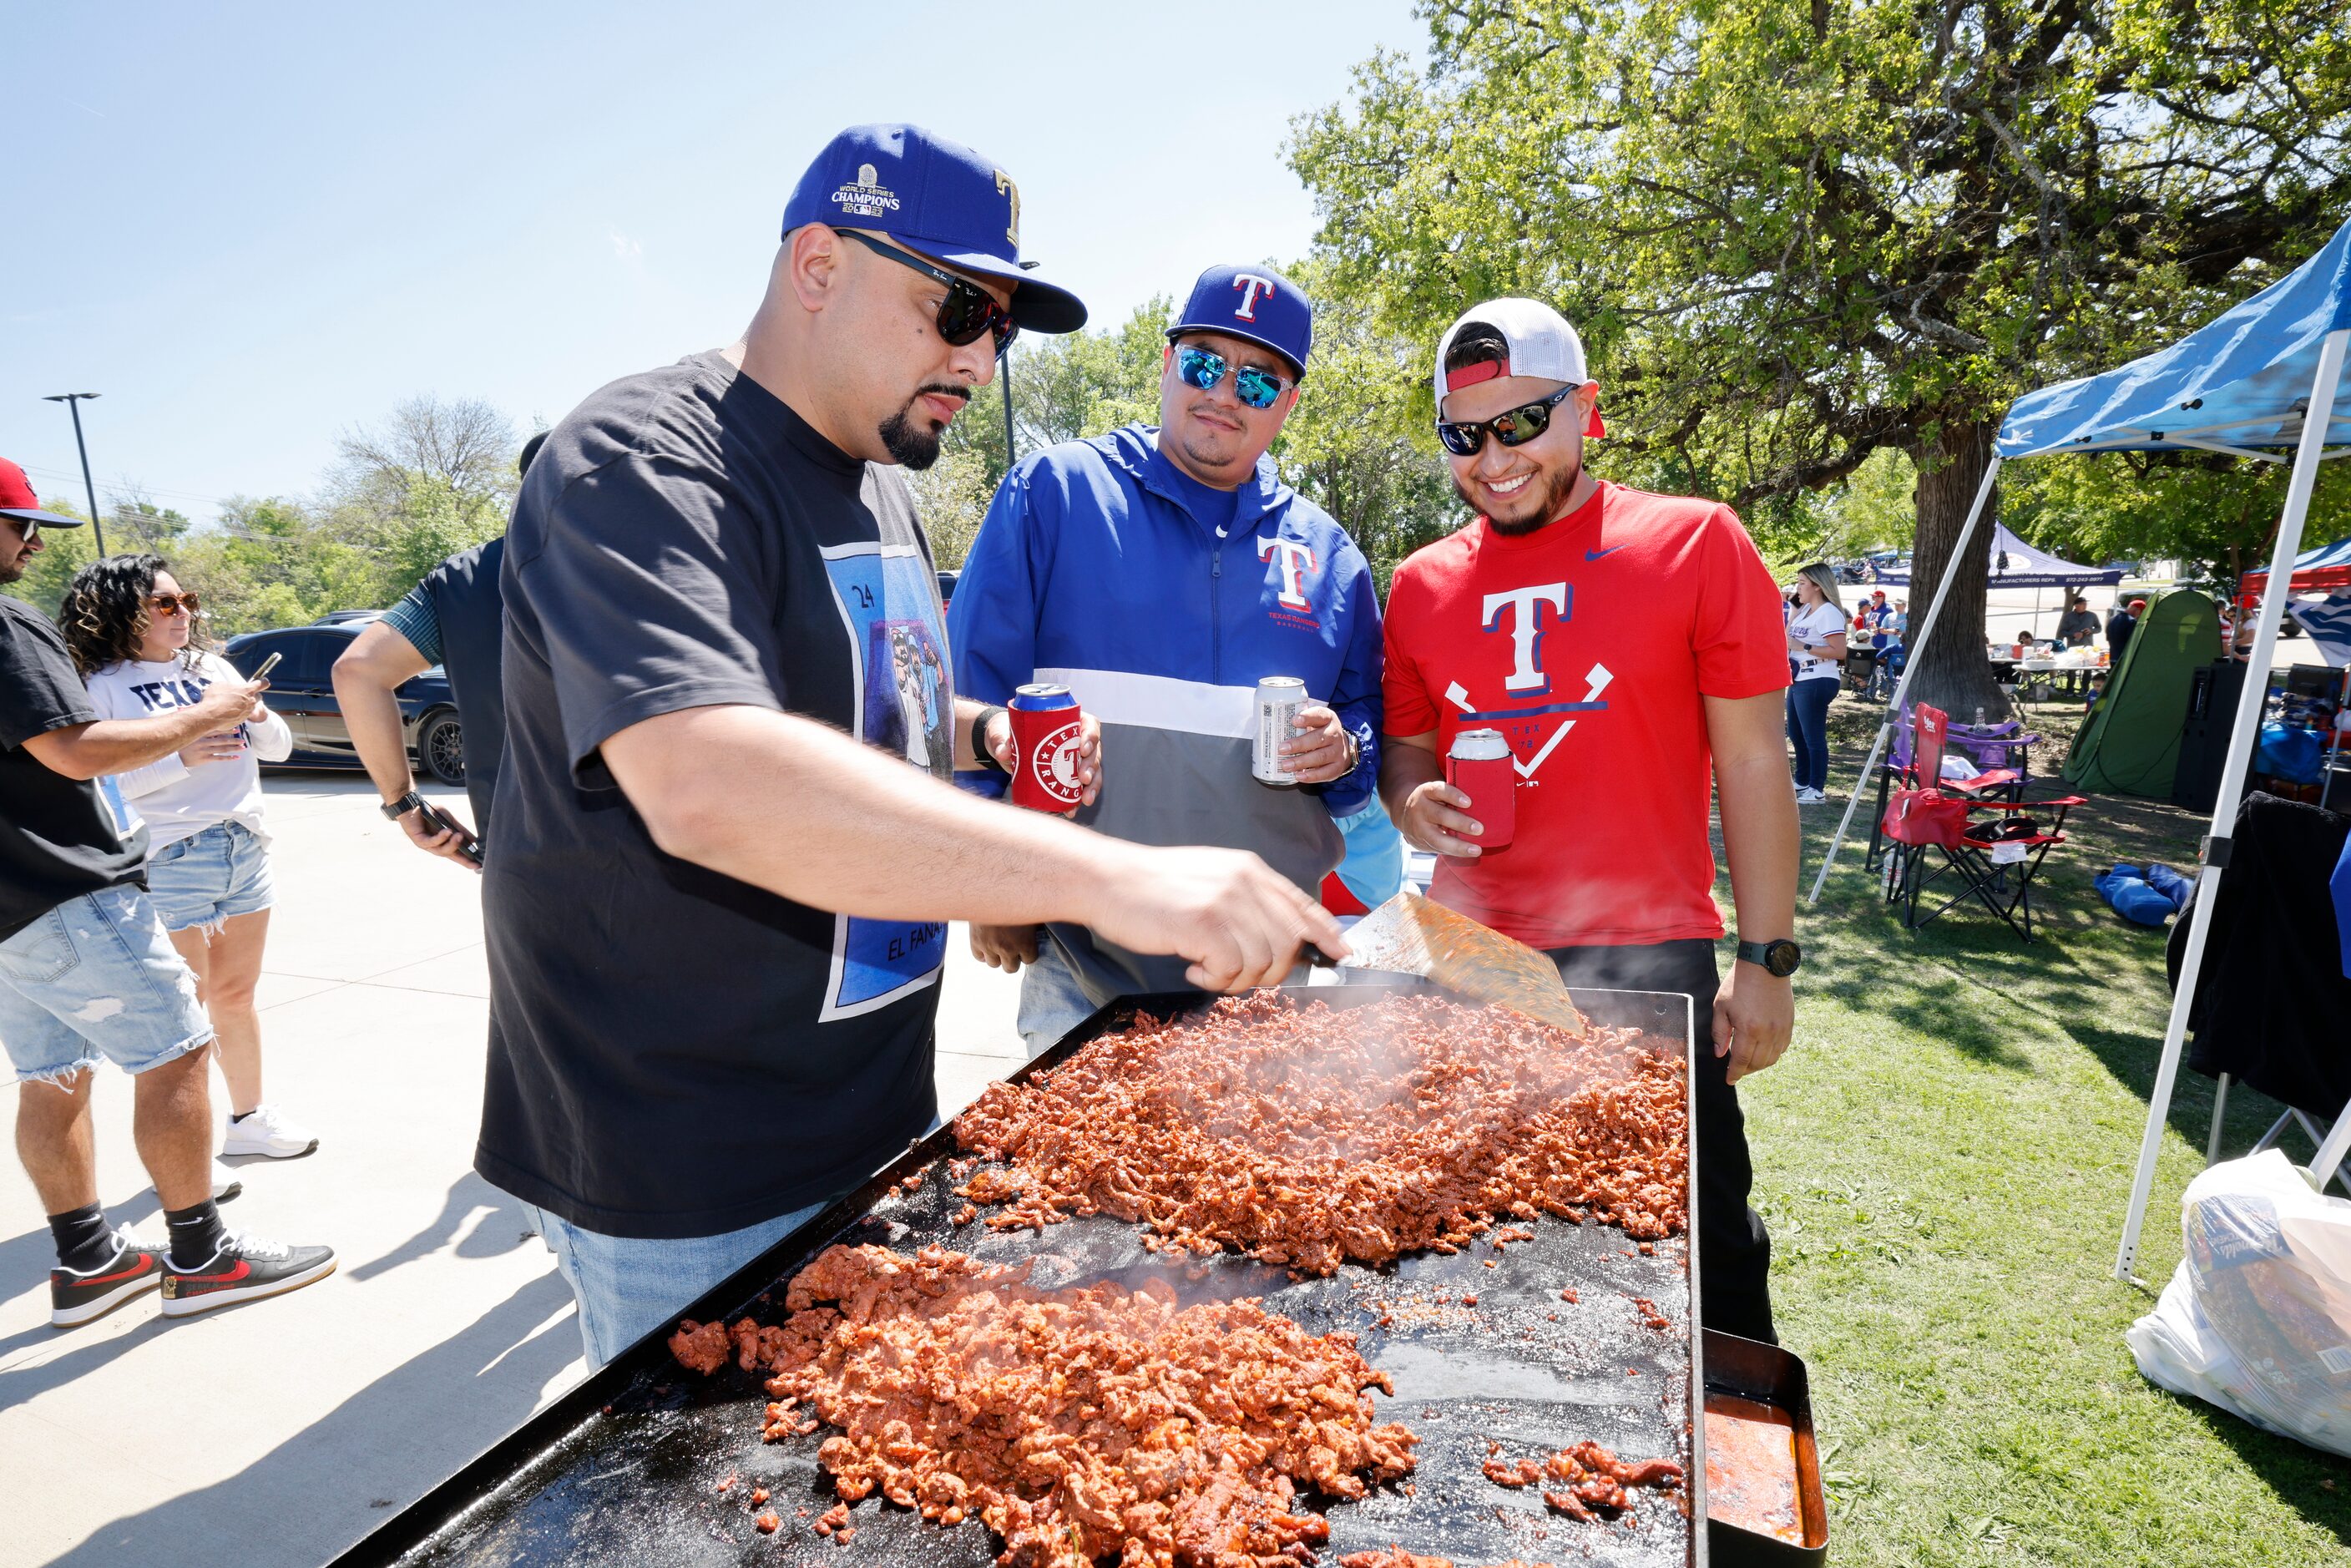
x=1780, y=957
x=980, y=740
x=394, y=809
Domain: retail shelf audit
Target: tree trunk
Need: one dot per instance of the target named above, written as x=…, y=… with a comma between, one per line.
x=1951, y=671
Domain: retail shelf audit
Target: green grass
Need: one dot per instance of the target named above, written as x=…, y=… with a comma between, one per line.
x=1944, y=1156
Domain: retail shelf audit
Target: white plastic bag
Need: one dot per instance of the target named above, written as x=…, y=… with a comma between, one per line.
x=2257, y=1318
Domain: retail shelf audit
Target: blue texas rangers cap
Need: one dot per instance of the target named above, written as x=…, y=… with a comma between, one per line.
x=1252, y=302
x=935, y=196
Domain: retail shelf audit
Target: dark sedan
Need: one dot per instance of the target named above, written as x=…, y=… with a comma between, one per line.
x=302, y=692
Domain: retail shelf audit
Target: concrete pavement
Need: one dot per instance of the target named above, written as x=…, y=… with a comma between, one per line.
x=275, y=1434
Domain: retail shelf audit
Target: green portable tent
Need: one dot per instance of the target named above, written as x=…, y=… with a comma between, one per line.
x=2131, y=744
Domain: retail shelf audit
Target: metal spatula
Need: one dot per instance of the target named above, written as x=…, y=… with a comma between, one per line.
x=1410, y=936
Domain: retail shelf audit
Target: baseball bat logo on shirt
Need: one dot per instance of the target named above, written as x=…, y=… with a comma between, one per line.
x=1251, y=286
x=1297, y=561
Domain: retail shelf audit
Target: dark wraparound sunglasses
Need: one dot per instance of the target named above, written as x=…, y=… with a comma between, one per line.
x=967, y=311
x=1513, y=427
x=1254, y=385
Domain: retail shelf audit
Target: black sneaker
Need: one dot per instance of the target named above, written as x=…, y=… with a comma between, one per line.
x=246, y=1269
x=134, y=1270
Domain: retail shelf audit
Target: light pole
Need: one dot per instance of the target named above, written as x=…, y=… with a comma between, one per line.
x=73, y=400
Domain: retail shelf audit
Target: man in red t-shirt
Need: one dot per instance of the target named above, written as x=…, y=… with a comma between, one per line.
x=1629, y=648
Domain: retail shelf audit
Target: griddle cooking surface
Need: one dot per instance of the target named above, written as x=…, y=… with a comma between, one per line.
x=636, y=1483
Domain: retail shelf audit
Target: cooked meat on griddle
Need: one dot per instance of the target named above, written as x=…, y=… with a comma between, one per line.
x=1308, y=1136
x=1078, y=1424
x=1594, y=1478
x=1398, y=1557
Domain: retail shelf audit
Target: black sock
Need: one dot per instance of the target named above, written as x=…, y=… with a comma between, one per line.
x=240, y=1115
x=197, y=1235
x=85, y=1241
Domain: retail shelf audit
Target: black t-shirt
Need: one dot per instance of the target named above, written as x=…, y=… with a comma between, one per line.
x=59, y=837
x=464, y=593
x=673, y=1052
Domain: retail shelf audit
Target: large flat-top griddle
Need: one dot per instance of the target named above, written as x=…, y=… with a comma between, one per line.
x=626, y=1469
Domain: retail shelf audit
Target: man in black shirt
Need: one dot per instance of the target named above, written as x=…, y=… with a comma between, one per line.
x=716, y=908
x=456, y=619
x=2119, y=627
x=87, y=973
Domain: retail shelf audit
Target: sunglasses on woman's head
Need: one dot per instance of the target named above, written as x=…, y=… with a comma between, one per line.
x=1512, y=427
x=967, y=311
x=1253, y=384
x=168, y=603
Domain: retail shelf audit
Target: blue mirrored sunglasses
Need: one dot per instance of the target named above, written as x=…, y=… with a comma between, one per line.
x=1255, y=386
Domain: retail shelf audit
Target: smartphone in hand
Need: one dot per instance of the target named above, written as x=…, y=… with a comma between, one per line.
x=467, y=844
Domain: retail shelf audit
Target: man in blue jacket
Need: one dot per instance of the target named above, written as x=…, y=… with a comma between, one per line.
x=1159, y=573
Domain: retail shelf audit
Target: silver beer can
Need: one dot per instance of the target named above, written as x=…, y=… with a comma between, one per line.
x=1279, y=698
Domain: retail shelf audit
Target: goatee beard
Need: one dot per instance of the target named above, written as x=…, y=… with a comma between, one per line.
x=1556, y=489
x=917, y=445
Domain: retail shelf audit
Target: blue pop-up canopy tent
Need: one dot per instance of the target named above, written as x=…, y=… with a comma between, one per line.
x=2015, y=564
x=2262, y=379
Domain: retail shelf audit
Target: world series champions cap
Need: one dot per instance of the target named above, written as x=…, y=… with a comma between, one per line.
x=17, y=500
x=938, y=197
x=1537, y=341
x=1256, y=304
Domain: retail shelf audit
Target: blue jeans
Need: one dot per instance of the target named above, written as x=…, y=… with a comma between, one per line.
x=1052, y=1003
x=1808, y=727
x=209, y=878
x=96, y=979
x=628, y=1286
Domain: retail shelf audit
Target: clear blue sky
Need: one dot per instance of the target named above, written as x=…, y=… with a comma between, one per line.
x=251, y=227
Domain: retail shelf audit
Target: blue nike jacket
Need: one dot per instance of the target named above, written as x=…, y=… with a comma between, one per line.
x=1160, y=602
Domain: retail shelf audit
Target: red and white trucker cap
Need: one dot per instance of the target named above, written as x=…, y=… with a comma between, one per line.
x=1539, y=343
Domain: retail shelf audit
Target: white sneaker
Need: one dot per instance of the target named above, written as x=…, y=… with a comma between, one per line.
x=265, y=1132
x=225, y=1183
x=1809, y=797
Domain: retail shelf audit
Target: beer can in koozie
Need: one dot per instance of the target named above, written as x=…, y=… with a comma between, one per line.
x=1046, y=733
x=1279, y=698
x=1479, y=764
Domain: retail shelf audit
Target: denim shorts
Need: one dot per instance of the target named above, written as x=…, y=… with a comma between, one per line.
x=628, y=1286
x=209, y=877
x=96, y=979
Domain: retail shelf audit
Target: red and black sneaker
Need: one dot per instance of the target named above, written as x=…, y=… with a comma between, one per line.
x=75, y=1298
x=245, y=1269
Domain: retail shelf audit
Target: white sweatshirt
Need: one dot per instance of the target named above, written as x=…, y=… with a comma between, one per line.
x=178, y=801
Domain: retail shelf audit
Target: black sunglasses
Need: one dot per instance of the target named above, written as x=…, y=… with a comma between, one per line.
x=1512, y=427
x=967, y=311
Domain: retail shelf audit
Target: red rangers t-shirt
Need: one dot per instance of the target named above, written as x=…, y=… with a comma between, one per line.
x=1589, y=643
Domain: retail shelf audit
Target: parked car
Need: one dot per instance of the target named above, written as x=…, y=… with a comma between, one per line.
x=947, y=587
x=302, y=693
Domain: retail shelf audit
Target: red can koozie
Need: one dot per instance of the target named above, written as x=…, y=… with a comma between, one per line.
x=1046, y=733
x=1479, y=764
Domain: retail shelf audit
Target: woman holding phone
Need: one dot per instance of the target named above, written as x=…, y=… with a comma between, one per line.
x=138, y=639
x=1816, y=642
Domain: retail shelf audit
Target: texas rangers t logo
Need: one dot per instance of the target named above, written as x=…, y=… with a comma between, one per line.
x=1526, y=631
x=1251, y=286
x=1297, y=561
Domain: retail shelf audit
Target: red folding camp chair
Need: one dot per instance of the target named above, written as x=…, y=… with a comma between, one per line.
x=1935, y=833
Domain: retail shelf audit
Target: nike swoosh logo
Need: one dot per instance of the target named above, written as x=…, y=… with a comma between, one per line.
x=1593, y=555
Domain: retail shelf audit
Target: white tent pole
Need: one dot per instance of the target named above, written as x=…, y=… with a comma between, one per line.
x=1909, y=672
x=2233, y=777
